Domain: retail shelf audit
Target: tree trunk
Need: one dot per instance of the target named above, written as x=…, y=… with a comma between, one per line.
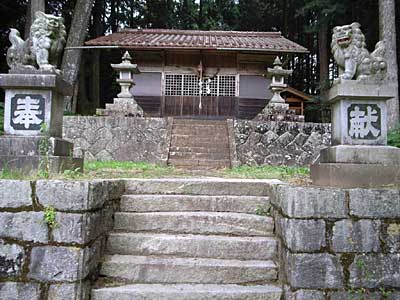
x=97, y=31
x=323, y=58
x=200, y=19
x=33, y=6
x=77, y=35
x=387, y=32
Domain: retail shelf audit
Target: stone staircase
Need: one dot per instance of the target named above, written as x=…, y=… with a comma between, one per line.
x=199, y=144
x=191, y=239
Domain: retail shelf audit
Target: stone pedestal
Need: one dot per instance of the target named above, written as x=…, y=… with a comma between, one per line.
x=122, y=107
x=33, y=124
x=359, y=156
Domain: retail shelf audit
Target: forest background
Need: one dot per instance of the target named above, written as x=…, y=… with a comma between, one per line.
x=307, y=22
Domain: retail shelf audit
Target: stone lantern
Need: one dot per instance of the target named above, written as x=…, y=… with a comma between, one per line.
x=125, y=104
x=277, y=109
x=278, y=76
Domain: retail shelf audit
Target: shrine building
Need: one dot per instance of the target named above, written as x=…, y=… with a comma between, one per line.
x=214, y=74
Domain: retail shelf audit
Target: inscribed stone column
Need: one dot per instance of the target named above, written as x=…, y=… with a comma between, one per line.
x=359, y=156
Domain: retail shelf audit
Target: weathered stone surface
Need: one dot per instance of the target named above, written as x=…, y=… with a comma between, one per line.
x=308, y=295
x=188, y=291
x=118, y=138
x=375, y=203
x=319, y=271
x=310, y=202
x=301, y=235
x=391, y=237
x=69, y=291
x=354, y=295
x=148, y=203
x=72, y=195
x=280, y=143
x=51, y=263
x=373, y=271
x=152, y=269
x=347, y=175
x=206, y=246
x=12, y=258
x=26, y=226
x=361, y=154
x=82, y=228
x=356, y=236
x=202, y=186
x=195, y=223
x=15, y=193
x=19, y=291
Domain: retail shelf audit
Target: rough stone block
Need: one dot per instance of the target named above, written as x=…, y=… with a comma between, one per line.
x=375, y=203
x=314, y=271
x=72, y=195
x=15, y=194
x=356, y=236
x=12, y=258
x=26, y=226
x=391, y=237
x=344, y=295
x=308, y=295
x=51, y=263
x=302, y=235
x=116, y=188
x=376, y=271
x=19, y=291
x=82, y=228
x=69, y=291
x=310, y=202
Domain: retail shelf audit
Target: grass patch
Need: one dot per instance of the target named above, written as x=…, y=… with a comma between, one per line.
x=122, y=169
x=394, y=137
x=10, y=174
x=268, y=172
x=126, y=169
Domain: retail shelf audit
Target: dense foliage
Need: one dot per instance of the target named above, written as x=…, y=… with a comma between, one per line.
x=394, y=137
x=307, y=22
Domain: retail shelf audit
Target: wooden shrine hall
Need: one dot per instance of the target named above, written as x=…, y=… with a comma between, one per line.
x=212, y=74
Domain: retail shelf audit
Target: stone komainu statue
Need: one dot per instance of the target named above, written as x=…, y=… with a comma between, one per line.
x=43, y=48
x=350, y=53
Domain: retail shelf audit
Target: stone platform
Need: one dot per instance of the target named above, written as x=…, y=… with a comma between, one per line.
x=29, y=154
x=357, y=166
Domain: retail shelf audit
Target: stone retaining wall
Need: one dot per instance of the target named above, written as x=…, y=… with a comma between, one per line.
x=280, y=143
x=40, y=262
x=119, y=138
x=336, y=242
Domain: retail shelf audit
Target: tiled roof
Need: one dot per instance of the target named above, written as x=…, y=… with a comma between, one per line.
x=194, y=39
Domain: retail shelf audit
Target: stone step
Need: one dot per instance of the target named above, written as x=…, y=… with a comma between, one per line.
x=200, y=131
x=188, y=292
x=190, y=141
x=154, y=269
x=243, y=248
x=170, y=203
x=202, y=186
x=195, y=223
x=195, y=163
x=199, y=156
x=214, y=149
x=197, y=122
